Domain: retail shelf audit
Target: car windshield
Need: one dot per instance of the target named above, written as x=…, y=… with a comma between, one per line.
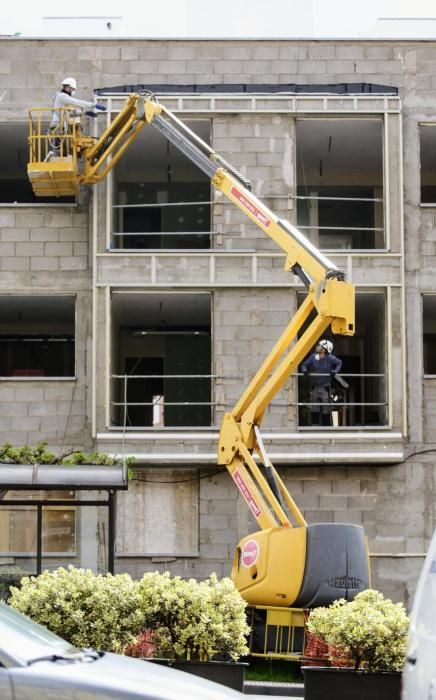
x=23, y=640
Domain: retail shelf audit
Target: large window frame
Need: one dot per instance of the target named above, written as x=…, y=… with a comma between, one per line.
x=322, y=175
x=429, y=334
x=35, y=334
x=427, y=157
x=362, y=383
x=166, y=335
x=159, y=197
x=33, y=517
x=45, y=500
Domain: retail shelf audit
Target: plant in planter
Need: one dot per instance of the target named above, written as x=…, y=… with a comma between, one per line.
x=40, y=455
x=369, y=636
x=143, y=647
x=86, y=609
x=193, y=622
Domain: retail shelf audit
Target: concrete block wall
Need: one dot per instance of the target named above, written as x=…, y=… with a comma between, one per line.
x=47, y=250
x=246, y=325
x=42, y=247
x=397, y=534
x=96, y=63
x=45, y=411
x=44, y=251
x=262, y=148
x=217, y=536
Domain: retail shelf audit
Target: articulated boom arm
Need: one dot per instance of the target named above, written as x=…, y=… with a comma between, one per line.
x=329, y=296
x=332, y=300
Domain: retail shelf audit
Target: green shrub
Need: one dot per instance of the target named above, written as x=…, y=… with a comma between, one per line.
x=188, y=619
x=371, y=631
x=194, y=620
x=86, y=609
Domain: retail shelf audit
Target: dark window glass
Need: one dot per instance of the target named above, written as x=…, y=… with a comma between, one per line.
x=340, y=182
x=37, y=336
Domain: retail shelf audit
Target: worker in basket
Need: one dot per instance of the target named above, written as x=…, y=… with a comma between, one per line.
x=63, y=119
x=322, y=366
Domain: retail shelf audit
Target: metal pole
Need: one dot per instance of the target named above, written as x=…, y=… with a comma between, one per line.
x=39, y=539
x=111, y=532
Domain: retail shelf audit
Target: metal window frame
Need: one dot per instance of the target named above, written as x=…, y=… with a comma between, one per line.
x=303, y=106
x=39, y=504
x=25, y=477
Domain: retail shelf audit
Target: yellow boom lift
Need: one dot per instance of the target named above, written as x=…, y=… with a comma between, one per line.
x=286, y=563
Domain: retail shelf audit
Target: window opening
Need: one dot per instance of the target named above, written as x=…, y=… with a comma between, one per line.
x=340, y=182
x=364, y=402
x=429, y=333
x=15, y=187
x=40, y=528
x=18, y=524
x=427, y=142
x=37, y=336
x=161, y=359
x=161, y=200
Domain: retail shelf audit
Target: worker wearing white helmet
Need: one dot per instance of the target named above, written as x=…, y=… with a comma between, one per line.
x=322, y=366
x=326, y=345
x=65, y=98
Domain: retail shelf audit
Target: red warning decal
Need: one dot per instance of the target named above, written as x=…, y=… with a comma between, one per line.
x=242, y=486
x=260, y=216
x=250, y=553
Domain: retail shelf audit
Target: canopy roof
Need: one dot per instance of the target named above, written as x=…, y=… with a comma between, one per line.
x=63, y=477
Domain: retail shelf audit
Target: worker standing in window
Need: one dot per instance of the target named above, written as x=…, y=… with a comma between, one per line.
x=322, y=366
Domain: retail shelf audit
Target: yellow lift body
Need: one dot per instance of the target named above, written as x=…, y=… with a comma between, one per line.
x=286, y=562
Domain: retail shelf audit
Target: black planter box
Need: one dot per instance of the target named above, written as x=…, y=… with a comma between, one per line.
x=327, y=683
x=228, y=673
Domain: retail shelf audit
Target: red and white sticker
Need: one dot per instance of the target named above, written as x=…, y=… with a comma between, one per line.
x=249, y=206
x=250, y=553
x=242, y=486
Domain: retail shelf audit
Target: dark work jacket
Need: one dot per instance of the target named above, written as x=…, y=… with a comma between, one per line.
x=319, y=366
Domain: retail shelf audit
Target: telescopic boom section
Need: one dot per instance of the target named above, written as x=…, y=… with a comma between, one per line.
x=329, y=303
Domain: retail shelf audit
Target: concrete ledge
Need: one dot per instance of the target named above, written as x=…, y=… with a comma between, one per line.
x=293, y=449
x=287, y=458
x=195, y=435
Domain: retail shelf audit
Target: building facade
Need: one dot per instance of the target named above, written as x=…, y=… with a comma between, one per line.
x=133, y=317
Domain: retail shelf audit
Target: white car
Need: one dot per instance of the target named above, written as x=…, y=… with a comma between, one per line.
x=37, y=665
x=419, y=677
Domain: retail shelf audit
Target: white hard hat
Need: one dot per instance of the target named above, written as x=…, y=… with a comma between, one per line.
x=71, y=82
x=327, y=345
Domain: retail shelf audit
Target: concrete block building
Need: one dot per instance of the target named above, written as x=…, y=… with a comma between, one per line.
x=132, y=317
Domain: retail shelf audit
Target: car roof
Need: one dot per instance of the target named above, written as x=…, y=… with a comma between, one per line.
x=122, y=677
x=34, y=659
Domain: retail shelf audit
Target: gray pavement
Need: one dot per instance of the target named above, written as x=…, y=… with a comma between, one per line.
x=259, y=689
x=268, y=697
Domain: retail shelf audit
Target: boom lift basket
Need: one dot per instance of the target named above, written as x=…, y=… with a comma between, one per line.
x=53, y=159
